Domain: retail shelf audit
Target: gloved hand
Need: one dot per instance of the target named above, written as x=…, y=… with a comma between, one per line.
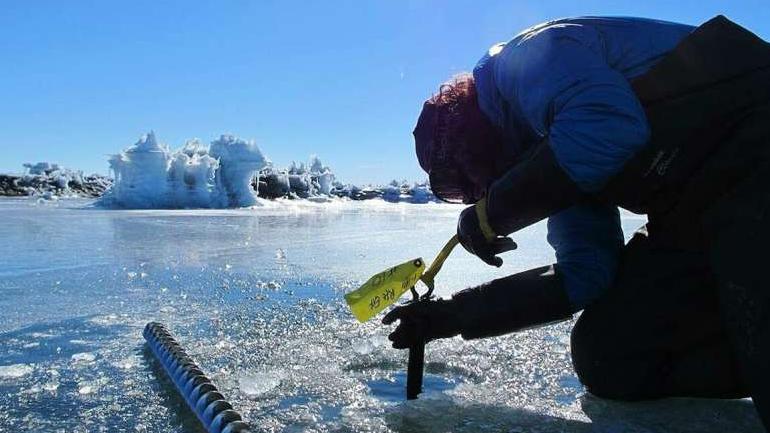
x=478, y=238
x=423, y=321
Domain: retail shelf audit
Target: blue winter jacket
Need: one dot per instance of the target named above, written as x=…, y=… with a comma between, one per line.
x=568, y=80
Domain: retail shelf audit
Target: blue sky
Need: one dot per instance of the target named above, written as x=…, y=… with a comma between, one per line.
x=341, y=79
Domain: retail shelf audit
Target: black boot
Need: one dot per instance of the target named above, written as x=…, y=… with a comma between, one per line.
x=740, y=260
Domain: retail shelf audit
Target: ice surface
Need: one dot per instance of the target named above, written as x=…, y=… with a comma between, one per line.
x=274, y=334
x=148, y=175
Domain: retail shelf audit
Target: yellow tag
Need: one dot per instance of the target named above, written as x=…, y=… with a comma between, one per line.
x=384, y=289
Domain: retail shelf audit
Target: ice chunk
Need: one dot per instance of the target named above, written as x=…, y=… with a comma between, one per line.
x=51, y=386
x=15, y=371
x=368, y=345
x=363, y=347
x=83, y=357
x=126, y=363
x=85, y=389
x=257, y=383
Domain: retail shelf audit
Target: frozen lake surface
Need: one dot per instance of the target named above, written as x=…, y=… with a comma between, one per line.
x=255, y=297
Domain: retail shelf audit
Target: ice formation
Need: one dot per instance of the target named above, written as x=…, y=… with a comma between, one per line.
x=150, y=175
x=230, y=172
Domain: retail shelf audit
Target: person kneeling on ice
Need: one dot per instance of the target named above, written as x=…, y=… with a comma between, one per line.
x=573, y=118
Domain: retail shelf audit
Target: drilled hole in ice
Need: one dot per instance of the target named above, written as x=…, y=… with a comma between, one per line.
x=393, y=388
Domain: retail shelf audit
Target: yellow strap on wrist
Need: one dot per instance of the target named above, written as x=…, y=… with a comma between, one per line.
x=481, y=213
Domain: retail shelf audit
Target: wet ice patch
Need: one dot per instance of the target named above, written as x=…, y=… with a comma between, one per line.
x=393, y=388
x=15, y=371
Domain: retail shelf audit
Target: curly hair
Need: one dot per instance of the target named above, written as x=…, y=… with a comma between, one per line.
x=456, y=144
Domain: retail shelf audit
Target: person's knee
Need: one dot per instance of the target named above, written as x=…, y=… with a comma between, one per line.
x=603, y=367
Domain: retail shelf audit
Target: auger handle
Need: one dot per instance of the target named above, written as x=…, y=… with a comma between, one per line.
x=430, y=274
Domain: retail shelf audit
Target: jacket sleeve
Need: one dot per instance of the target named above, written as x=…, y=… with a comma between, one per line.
x=588, y=240
x=558, y=80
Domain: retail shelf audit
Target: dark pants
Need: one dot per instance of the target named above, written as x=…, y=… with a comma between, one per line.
x=689, y=313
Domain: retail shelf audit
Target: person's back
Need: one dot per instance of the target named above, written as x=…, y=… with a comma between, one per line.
x=516, y=81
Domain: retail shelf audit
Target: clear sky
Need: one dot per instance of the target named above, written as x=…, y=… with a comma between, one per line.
x=342, y=79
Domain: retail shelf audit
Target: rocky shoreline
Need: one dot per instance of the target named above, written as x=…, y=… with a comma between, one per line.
x=48, y=180
x=307, y=185
x=51, y=181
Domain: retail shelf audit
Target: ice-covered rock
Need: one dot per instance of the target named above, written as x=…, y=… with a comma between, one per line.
x=150, y=175
x=274, y=184
x=392, y=192
x=298, y=181
x=41, y=168
x=300, y=184
x=421, y=193
x=48, y=180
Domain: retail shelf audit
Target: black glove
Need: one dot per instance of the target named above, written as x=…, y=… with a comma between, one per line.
x=477, y=237
x=423, y=321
